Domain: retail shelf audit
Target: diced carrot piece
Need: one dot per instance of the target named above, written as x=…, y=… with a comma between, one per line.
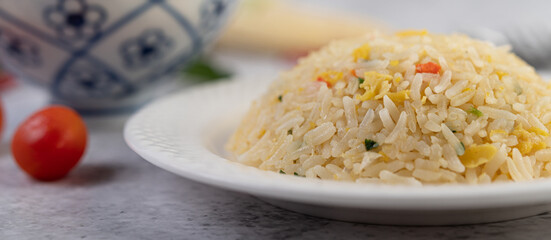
x=320, y=79
x=429, y=67
x=353, y=72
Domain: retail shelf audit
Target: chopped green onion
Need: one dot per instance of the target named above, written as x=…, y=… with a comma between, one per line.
x=280, y=98
x=453, y=131
x=202, y=69
x=290, y=131
x=370, y=144
x=476, y=112
x=361, y=80
x=282, y=172
x=296, y=174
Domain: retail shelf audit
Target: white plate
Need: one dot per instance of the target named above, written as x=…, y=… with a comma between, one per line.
x=185, y=133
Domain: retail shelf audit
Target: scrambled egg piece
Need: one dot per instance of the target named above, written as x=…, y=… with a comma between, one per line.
x=501, y=74
x=330, y=77
x=398, y=79
x=409, y=33
x=362, y=52
x=529, y=140
x=538, y=131
x=498, y=131
x=378, y=85
x=477, y=155
x=375, y=84
x=398, y=97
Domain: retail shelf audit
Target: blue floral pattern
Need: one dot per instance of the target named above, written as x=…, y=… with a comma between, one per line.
x=211, y=12
x=22, y=50
x=90, y=81
x=84, y=32
x=75, y=19
x=149, y=46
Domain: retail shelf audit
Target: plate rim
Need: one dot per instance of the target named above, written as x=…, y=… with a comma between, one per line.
x=334, y=193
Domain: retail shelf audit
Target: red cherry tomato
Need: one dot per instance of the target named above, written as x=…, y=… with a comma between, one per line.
x=48, y=144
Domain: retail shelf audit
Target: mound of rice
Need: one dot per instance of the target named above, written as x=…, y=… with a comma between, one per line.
x=410, y=108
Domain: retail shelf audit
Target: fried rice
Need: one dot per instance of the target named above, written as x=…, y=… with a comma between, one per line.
x=409, y=108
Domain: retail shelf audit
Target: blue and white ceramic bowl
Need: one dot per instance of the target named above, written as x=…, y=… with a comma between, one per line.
x=104, y=54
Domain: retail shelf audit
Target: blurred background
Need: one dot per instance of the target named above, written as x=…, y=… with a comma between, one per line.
x=260, y=38
x=267, y=36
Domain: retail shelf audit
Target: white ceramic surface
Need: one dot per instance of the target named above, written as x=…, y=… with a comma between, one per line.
x=96, y=55
x=184, y=133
